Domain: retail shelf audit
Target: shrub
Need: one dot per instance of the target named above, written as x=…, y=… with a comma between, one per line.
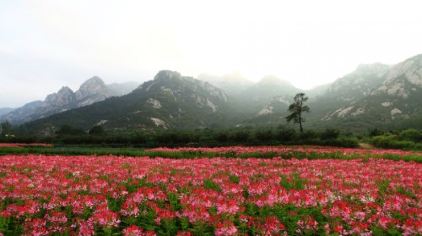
x=96, y=130
x=349, y=142
x=375, y=132
x=391, y=141
x=330, y=134
x=221, y=137
x=383, y=141
x=286, y=135
x=308, y=135
x=264, y=135
x=69, y=130
x=411, y=135
x=240, y=136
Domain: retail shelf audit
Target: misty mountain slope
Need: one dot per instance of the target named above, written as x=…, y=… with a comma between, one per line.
x=91, y=91
x=347, y=90
x=272, y=113
x=264, y=95
x=5, y=110
x=120, y=89
x=397, y=99
x=168, y=101
x=232, y=84
x=318, y=91
x=269, y=87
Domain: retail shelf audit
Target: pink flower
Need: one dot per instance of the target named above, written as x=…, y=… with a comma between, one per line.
x=225, y=228
x=105, y=217
x=133, y=231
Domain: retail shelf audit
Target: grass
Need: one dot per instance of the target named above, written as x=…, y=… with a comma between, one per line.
x=137, y=152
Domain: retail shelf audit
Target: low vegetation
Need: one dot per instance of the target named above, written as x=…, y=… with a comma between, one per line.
x=110, y=195
x=406, y=139
x=67, y=135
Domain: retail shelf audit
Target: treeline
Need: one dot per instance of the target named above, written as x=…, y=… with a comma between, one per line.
x=405, y=139
x=203, y=137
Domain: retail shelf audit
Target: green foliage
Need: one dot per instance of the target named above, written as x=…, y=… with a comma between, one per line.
x=292, y=182
x=383, y=186
x=5, y=129
x=69, y=130
x=221, y=137
x=173, y=137
x=285, y=135
x=308, y=135
x=375, y=132
x=350, y=142
x=330, y=134
x=135, y=152
x=97, y=130
x=411, y=135
x=264, y=135
x=115, y=204
x=234, y=179
x=10, y=226
x=377, y=231
x=174, y=201
x=241, y=136
x=296, y=109
x=209, y=184
x=402, y=141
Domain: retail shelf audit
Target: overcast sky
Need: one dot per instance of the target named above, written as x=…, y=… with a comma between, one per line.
x=47, y=44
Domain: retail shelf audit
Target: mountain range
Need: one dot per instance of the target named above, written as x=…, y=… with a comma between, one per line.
x=91, y=91
x=372, y=96
x=170, y=100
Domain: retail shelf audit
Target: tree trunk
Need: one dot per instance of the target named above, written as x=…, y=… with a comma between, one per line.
x=300, y=124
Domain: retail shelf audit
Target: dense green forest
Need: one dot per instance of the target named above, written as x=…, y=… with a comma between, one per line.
x=265, y=135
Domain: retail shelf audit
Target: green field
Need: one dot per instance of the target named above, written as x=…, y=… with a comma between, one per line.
x=189, y=154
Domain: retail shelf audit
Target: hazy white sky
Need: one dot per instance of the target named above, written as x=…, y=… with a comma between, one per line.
x=50, y=43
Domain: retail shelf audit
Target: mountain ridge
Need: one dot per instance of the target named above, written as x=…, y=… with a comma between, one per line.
x=169, y=100
x=91, y=91
x=373, y=95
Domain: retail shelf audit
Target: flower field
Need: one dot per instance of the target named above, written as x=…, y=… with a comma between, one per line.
x=116, y=195
x=290, y=149
x=2, y=145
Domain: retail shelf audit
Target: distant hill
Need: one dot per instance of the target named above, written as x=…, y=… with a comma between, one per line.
x=91, y=91
x=233, y=84
x=5, y=110
x=119, y=89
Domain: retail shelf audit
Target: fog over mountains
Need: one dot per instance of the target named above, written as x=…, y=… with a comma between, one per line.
x=374, y=95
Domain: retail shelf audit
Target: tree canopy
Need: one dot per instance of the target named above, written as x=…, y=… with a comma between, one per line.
x=296, y=109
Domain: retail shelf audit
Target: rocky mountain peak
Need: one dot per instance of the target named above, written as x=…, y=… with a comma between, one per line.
x=410, y=70
x=168, y=101
x=91, y=91
x=92, y=81
x=65, y=91
x=360, y=82
x=167, y=75
x=94, y=85
x=63, y=97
